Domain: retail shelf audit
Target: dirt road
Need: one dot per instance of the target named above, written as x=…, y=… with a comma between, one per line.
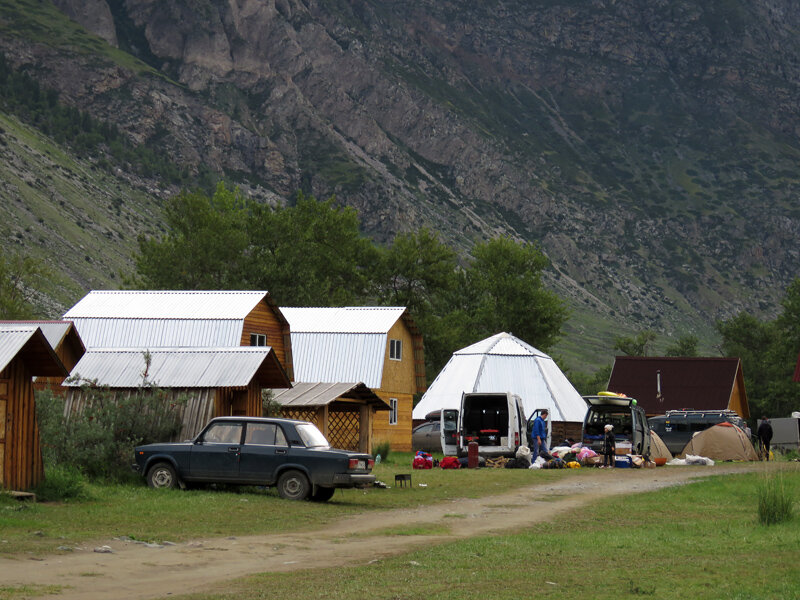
x=133, y=570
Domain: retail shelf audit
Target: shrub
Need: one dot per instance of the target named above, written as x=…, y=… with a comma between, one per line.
x=98, y=439
x=381, y=449
x=775, y=501
x=61, y=483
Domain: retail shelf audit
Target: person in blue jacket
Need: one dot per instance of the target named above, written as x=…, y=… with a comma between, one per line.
x=539, y=435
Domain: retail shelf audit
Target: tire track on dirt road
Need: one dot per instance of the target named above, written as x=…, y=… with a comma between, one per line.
x=138, y=572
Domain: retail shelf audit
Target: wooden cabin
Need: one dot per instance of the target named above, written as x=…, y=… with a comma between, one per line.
x=24, y=354
x=66, y=343
x=212, y=382
x=379, y=346
x=171, y=319
x=344, y=412
x=660, y=384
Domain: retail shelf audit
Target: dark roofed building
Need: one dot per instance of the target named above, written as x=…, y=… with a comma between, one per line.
x=660, y=384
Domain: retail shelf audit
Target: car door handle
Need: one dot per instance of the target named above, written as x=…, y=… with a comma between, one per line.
x=233, y=448
x=280, y=451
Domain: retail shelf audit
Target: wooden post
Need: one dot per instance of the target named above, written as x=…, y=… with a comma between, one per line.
x=365, y=429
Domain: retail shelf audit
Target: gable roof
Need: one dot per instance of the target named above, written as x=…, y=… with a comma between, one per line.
x=345, y=319
x=504, y=363
x=59, y=334
x=181, y=367
x=29, y=343
x=165, y=318
x=700, y=383
x=340, y=344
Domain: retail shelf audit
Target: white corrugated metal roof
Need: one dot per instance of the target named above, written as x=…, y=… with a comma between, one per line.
x=339, y=357
x=348, y=319
x=165, y=304
x=503, y=363
x=163, y=333
x=321, y=394
x=12, y=340
x=171, y=367
x=150, y=319
x=54, y=331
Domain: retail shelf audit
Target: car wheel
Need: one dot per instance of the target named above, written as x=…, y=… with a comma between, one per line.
x=162, y=475
x=293, y=485
x=322, y=494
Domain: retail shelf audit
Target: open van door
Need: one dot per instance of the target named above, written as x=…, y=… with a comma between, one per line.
x=448, y=431
x=529, y=430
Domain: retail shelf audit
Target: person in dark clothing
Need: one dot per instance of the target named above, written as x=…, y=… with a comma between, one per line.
x=609, y=447
x=764, y=433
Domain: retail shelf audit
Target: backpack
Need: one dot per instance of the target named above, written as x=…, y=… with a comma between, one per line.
x=450, y=462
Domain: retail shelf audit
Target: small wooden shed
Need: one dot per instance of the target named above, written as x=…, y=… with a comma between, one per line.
x=342, y=411
x=214, y=381
x=24, y=354
x=66, y=343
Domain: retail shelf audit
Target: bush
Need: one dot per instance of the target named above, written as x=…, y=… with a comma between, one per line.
x=775, y=501
x=61, y=483
x=381, y=449
x=98, y=439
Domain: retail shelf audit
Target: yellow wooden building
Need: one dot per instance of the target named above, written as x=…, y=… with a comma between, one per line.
x=378, y=346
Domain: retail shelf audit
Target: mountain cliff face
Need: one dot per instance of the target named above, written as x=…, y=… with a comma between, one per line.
x=650, y=148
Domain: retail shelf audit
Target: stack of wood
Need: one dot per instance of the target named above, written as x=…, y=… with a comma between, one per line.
x=497, y=463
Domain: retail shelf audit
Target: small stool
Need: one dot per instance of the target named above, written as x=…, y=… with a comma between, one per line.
x=400, y=480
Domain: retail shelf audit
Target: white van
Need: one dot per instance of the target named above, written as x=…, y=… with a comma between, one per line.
x=495, y=420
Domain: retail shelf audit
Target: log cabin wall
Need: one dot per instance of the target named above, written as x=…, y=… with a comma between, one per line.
x=263, y=320
x=21, y=466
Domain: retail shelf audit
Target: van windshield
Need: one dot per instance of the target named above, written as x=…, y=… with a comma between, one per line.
x=599, y=416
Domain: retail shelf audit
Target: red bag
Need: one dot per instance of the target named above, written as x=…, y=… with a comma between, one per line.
x=450, y=462
x=422, y=460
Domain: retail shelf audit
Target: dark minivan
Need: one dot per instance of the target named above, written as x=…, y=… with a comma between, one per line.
x=627, y=417
x=677, y=427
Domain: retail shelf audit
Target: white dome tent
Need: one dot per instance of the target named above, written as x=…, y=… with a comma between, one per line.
x=504, y=363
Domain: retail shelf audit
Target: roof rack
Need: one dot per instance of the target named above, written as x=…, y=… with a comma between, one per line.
x=693, y=412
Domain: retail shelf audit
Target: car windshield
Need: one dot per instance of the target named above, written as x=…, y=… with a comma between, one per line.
x=311, y=436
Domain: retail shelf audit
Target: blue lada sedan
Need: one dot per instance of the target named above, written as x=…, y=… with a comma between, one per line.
x=291, y=455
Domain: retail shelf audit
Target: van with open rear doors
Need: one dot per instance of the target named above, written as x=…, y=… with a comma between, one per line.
x=631, y=432
x=496, y=421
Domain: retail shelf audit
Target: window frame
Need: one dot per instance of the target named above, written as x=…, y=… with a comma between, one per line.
x=393, y=405
x=259, y=337
x=395, y=349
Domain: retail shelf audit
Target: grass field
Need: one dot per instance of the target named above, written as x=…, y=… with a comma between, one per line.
x=701, y=540
x=143, y=514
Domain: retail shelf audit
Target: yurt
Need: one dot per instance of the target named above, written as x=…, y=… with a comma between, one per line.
x=504, y=363
x=723, y=441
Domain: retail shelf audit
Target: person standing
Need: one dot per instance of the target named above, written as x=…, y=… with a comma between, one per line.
x=764, y=433
x=609, y=447
x=539, y=435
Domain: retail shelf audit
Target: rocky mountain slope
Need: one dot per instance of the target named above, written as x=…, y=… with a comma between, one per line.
x=650, y=148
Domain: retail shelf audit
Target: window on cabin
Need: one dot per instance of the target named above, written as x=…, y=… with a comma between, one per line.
x=393, y=411
x=396, y=349
x=258, y=339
